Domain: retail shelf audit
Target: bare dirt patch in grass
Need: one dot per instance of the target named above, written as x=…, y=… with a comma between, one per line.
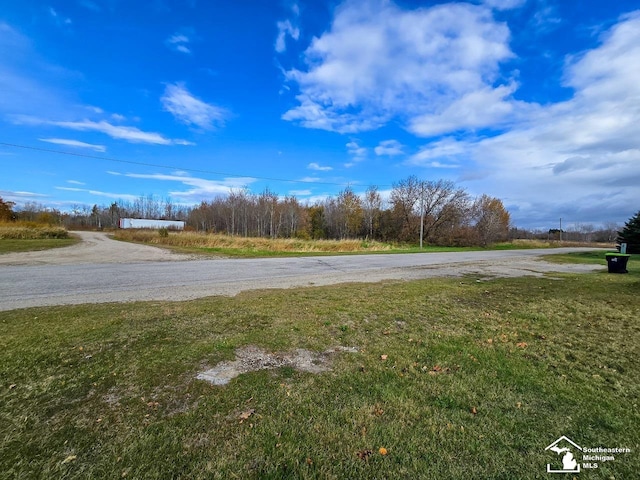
x=252, y=359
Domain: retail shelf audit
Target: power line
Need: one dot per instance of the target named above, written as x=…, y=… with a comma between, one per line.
x=169, y=167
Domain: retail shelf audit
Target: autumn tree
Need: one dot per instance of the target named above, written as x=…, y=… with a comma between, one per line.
x=350, y=216
x=316, y=225
x=404, y=198
x=492, y=220
x=6, y=211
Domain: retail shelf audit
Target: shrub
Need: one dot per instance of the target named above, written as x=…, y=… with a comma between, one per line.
x=31, y=232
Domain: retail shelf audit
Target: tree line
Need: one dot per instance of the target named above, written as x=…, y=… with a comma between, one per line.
x=415, y=211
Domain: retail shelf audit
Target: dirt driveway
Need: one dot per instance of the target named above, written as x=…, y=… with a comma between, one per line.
x=95, y=248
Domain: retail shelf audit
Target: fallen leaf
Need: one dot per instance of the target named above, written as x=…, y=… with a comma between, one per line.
x=474, y=410
x=521, y=344
x=364, y=454
x=386, y=332
x=519, y=404
x=247, y=414
x=382, y=451
x=70, y=458
x=12, y=386
x=309, y=461
x=384, y=357
x=490, y=341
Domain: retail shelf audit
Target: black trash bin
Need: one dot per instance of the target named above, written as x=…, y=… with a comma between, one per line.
x=617, y=262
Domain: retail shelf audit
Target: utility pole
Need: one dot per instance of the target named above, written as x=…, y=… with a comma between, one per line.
x=560, y=228
x=421, y=212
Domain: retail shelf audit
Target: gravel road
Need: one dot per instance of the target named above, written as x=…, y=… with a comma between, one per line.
x=95, y=248
x=100, y=270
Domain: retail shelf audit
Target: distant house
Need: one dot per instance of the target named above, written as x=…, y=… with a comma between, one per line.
x=152, y=224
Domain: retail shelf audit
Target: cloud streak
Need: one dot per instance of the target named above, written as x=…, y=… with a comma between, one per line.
x=118, y=132
x=74, y=143
x=200, y=188
x=190, y=110
x=179, y=42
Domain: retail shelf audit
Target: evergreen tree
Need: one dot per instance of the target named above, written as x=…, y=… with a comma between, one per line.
x=630, y=234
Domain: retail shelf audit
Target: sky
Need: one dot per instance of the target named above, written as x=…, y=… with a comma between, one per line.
x=535, y=102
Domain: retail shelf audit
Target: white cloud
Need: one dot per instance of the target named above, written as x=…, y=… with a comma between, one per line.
x=74, y=143
x=115, y=196
x=75, y=182
x=118, y=132
x=355, y=150
x=379, y=61
x=285, y=28
x=444, y=153
x=201, y=188
x=288, y=28
x=389, y=148
x=190, y=110
x=481, y=108
x=309, y=179
x=300, y=193
x=21, y=197
x=179, y=42
x=59, y=19
x=320, y=168
x=577, y=159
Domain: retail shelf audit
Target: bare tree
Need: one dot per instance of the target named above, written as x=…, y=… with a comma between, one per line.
x=372, y=206
x=404, y=198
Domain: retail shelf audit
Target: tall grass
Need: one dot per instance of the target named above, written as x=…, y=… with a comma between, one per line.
x=219, y=241
x=31, y=231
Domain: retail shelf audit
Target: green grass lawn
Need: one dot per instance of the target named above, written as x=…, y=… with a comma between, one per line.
x=9, y=245
x=478, y=378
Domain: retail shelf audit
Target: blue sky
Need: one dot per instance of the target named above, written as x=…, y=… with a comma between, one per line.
x=536, y=102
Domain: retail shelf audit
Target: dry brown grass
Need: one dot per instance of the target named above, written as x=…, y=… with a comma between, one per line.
x=525, y=243
x=31, y=231
x=224, y=242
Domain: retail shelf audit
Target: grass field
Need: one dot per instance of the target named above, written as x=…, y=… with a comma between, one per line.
x=252, y=247
x=28, y=245
x=455, y=378
x=29, y=236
